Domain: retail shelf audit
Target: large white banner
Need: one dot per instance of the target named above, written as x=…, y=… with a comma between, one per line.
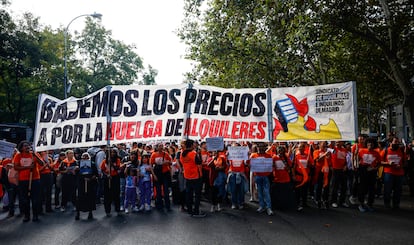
x=130, y=113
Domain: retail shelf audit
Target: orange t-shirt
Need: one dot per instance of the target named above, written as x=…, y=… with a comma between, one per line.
x=397, y=157
x=280, y=170
x=339, y=158
x=47, y=170
x=205, y=157
x=369, y=158
x=191, y=169
x=26, y=159
x=114, y=172
x=158, y=158
x=237, y=166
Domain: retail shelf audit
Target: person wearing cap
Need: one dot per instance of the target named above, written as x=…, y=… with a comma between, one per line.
x=193, y=175
x=87, y=183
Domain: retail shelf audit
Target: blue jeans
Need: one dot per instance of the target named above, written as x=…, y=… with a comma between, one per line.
x=392, y=184
x=263, y=190
x=237, y=190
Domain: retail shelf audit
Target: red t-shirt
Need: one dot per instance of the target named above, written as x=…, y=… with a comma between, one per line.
x=158, y=158
x=339, y=158
x=26, y=159
x=369, y=158
x=237, y=166
x=397, y=157
x=280, y=170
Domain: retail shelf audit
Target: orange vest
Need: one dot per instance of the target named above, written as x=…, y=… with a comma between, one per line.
x=191, y=169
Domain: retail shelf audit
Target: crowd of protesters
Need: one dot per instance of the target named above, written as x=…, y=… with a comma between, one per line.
x=137, y=177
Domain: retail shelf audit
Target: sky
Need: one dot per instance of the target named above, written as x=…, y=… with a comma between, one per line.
x=149, y=24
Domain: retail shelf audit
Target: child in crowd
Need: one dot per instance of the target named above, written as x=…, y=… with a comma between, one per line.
x=145, y=188
x=131, y=181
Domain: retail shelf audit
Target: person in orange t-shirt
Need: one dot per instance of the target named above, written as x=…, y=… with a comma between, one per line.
x=393, y=162
x=206, y=158
x=29, y=180
x=323, y=164
x=338, y=175
x=112, y=183
x=68, y=168
x=161, y=162
x=302, y=163
x=281, y=190
x=237, y=181
x=262, y=180
x=369, y=160
x=46, y=182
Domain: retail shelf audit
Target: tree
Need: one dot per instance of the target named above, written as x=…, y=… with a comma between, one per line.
x=283, y=43
x=149, y=76
x=104, y=60
x=387, y=25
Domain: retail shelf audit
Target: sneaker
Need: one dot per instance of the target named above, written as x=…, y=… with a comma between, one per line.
x=57, y=207
x=362, y=209
x=241, y=206
x=147, y=207
x=334, y=205
x=126, y=210
x=141, y=208
x=122, y=208
x=218, y=207
x=260, y=210
x=199, y=215
x=62, y=209
x=135, y=209
x=352, y=200
x=300, y=208
x=213, y=208
x=233, y=206
x=269, y=211
x=74, y=209
x=345, y=205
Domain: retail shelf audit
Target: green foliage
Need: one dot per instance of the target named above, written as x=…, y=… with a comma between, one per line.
x=31, y=62
x=265, y=43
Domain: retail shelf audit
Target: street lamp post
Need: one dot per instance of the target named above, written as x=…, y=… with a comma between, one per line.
x=65, y=76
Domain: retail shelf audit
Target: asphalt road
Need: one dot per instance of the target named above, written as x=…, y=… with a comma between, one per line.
x=312, y=226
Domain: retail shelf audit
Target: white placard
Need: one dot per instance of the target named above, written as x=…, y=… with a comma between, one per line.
x=215, y=144
x=238, y=153
x=6, y=149
x=261, y=165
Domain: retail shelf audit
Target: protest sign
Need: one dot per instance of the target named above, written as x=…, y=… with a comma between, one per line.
x=261, y=165
x=128, y=113
x=238, y=153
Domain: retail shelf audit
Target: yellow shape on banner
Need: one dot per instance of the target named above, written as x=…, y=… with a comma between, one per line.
x=297, y=130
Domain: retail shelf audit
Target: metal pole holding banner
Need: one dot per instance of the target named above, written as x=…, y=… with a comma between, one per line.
x=355, y=105
x=108, y=133
x=187, y=116
x=269, y=115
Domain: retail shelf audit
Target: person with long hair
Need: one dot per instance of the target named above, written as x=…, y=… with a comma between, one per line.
x=110, y=167
x=68, y=168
